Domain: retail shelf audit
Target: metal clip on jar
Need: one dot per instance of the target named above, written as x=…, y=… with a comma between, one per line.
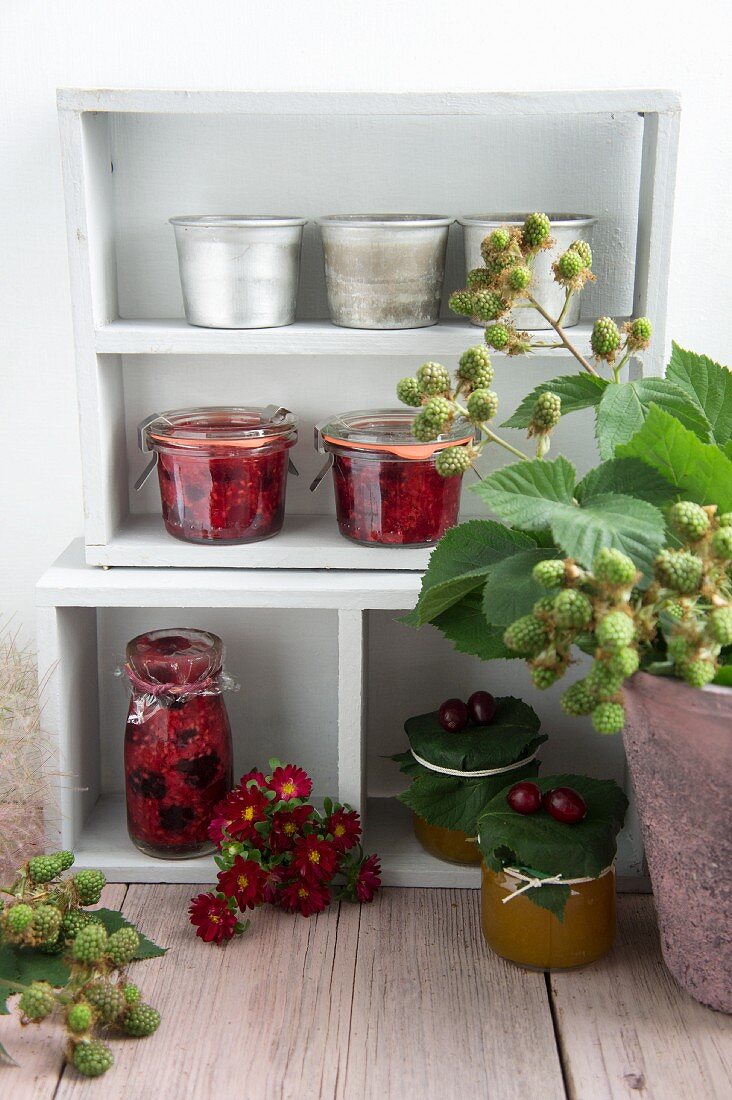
x=387, y=488
x=222, y=470
x=177, y=754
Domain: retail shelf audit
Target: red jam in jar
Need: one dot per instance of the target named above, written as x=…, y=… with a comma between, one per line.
x=222, y=471
x=177, y=741
x=387, y=488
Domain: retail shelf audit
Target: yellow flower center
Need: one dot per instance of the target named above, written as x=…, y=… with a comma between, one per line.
x=242, y=881
x=214, y=918
x=248, y=813
x=339, y=830
x=303, y=892
x=289, y=828
x=314, y=856
x=288, y=787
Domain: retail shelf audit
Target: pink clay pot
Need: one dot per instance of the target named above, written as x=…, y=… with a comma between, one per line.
x=678, y=741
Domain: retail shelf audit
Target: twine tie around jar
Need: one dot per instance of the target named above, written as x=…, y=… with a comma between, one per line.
x=533, y=882
x=209, y=684
x=473, y=774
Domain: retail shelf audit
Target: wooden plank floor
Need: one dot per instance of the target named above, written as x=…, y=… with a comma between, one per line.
x=396, y=1000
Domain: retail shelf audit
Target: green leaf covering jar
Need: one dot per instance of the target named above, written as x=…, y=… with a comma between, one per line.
x=455, y=775
x=548, y=887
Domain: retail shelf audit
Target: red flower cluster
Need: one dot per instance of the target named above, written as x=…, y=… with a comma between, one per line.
x=276, y=848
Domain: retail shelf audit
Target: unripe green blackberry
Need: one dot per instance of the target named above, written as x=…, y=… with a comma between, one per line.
x=499, y=239
x=572, y=609
x=452, y=461
x=46, y=924
x=37, y=1001
x=578, y=699
x=688, y=520
x=570, y=264
x=487, y=305
x=639, y=333
x=131, y=993
x=89, y=885
x=433, y=378
x=615, y=630
x=543, y=678
x=66, y=859
x=496, y=265
x=679, y=570
x=475, y=364
x=549, y=574
x=461, y=302
x=527, y=636
x=122, y=946
x=720, y=625
x=605, y=339
x=608, y=717
x=409, y=392
x=141, y=1020
x=519, y=277
x=90, y=944
x=479, y=278
x=108, y=1000
x=726, y=520
x=482, y=405
x=544, y=606
x=547, y=412
x=437, y=412
x=624, y=662
x=537, y=228
x=423, y=430
x=73, y=922
x=79, y=1017
x=673, y=609
x=43, y=868
x=92, y=1057
x=721, y=543
x=53, y=947
x=17, y=918
x=679, y=647
x=583, y=250
x=497, y=336
x=697, y=673
x=614, y=568
x=603, y=681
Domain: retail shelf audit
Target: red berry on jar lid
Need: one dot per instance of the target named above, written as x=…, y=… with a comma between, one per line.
x=565, y=804
x=453, y=715
x=482, y=708
x=524, y=798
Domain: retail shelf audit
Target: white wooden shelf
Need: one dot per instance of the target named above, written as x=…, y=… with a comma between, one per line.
x=312, y=338
x=305, y=542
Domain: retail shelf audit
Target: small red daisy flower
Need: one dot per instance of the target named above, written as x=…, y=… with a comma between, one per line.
x=244, y=882
x=254, y=774
x=314, y=859
x=212, y=917
x=290, y=782
x=345, y=828
x=286, y=827
x=306, y=898
x=216, y=829
x=368, y=879
x=243, y=809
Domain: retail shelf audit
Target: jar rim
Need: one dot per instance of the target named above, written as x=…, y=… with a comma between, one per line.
x=218, y=425
x=380, y=221
x=190, y=654
x=236, y=221
x=516, y=218
x=388, y=430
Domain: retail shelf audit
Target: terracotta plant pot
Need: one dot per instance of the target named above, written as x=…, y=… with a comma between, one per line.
x=678, y=742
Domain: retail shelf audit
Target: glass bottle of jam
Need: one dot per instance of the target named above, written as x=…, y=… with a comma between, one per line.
x=451, y=845
x=387, y=488
x=177, y=752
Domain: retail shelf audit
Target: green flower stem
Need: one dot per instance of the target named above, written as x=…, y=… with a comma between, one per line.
x=619, y=366
x=560, y=333
x=491, y=437
x=565, y=307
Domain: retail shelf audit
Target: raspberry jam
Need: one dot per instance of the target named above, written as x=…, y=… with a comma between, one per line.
x=222, y=471
x=177, y=751
x=387, y=489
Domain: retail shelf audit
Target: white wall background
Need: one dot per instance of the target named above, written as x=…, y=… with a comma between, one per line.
x=315, y=45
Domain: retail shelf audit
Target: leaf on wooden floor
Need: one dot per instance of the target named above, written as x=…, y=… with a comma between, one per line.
x=113, y=921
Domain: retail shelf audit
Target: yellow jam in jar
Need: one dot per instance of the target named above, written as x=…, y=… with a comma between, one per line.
x=448, y=844
x=527, y=934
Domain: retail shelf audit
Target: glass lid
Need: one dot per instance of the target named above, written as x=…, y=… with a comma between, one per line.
x=387, y=429
x=219, y=424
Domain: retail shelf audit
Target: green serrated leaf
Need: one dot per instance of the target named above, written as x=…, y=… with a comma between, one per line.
x=513, y=734
x=452, y=803
x=527, y=493
x=577, y=391
x=626, y=476
x=700, y=471
x=465, y=625
x=511, y=591
x=25, y=965
x=113, y=921
x=624, y=408
x=724, y=676
x=708, y=385
x=6, y=1059
x=633, y=526
x=459, y=564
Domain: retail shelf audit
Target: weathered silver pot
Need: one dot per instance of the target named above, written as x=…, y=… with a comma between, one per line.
x=384, y=270
x=238, y=271
x=549, y=294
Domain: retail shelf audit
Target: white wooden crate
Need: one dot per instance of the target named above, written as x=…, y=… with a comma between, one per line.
x=134, y=158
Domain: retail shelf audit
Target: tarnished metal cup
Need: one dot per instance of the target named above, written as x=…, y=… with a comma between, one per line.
x=238, y=271
x=384, y=271
x=548, y=293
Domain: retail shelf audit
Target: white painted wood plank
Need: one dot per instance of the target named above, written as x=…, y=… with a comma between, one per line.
x=38, y=1048
x=303, y=338
x=627, y=1029
x=436, y=1014
x=266, y=1016
x=351, y=709
x=220, y=102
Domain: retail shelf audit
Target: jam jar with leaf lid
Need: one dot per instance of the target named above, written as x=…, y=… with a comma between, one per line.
x=177, y=752
x=222, y=470
x=387, y=488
